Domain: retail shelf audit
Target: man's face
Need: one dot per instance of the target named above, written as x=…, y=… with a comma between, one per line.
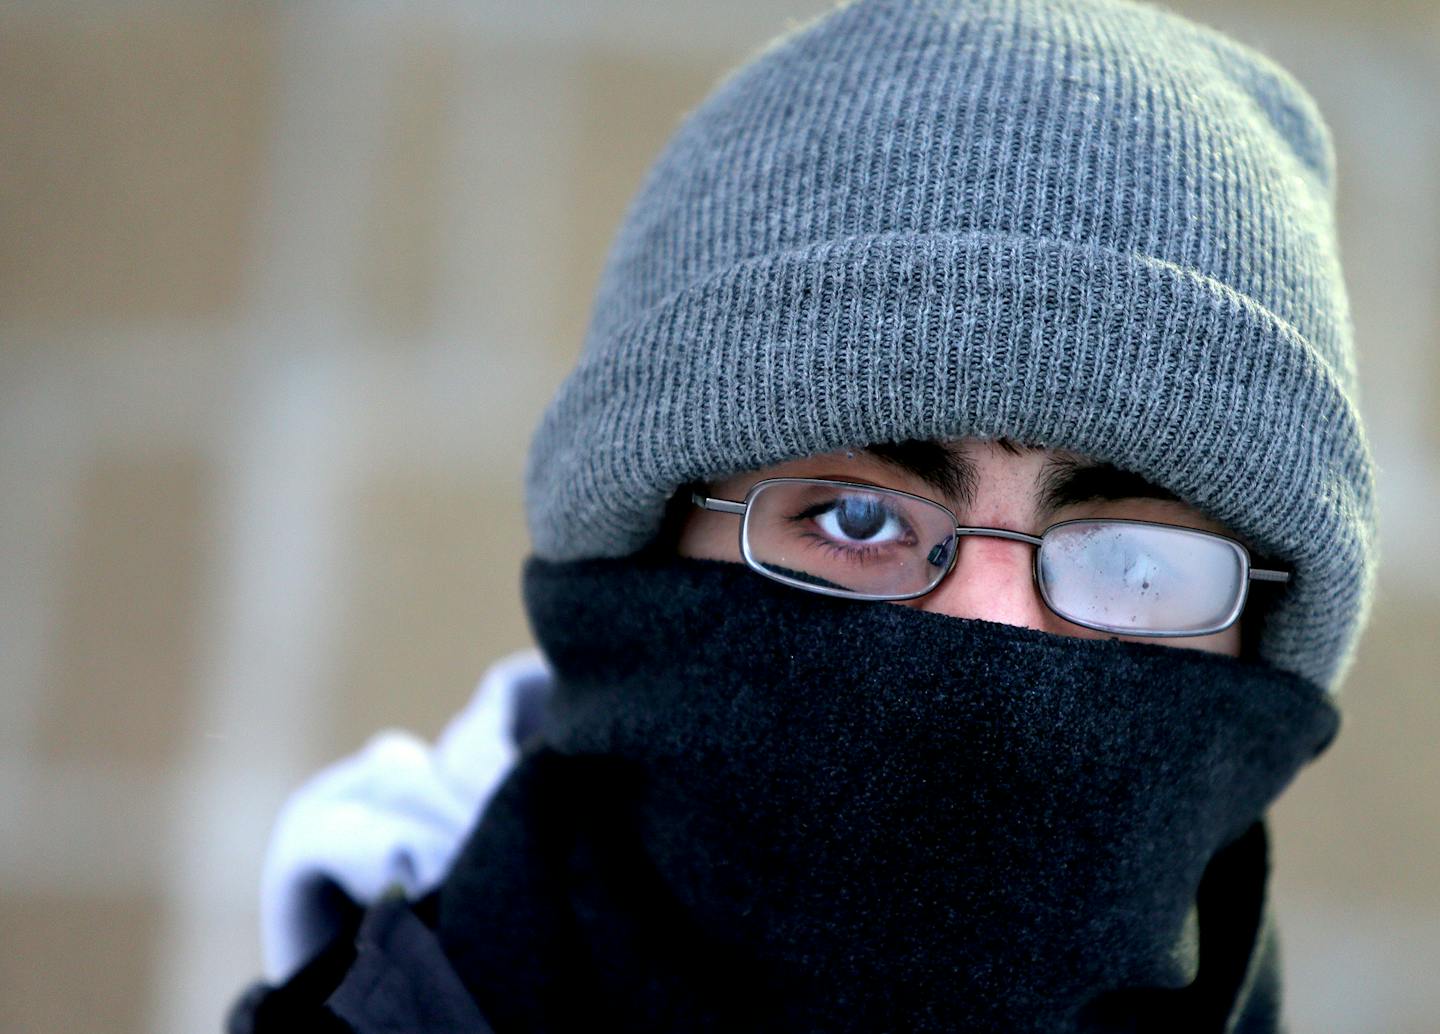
x=987, y=485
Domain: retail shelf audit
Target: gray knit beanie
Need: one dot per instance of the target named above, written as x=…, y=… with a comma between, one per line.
x=1085, y=224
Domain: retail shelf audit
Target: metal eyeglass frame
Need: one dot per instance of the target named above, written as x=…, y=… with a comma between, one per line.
x=742, y=510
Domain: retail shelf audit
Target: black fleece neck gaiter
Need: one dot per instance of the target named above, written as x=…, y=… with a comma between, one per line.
x=751, y=808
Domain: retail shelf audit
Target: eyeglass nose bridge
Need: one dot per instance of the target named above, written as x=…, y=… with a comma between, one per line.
x=967, y=531
x=998, y=533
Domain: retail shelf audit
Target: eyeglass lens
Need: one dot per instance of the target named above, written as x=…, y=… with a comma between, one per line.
x=871, y=542
x=1121, y=577
x=1141, y=578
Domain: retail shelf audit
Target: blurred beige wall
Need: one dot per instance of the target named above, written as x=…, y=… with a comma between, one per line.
x=283, y=290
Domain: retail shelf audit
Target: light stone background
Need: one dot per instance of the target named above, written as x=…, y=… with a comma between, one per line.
x=283, y=289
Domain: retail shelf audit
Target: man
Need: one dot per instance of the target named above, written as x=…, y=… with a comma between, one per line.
x=961, y=374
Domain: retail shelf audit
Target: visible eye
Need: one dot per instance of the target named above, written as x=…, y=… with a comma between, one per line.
x=861, y=519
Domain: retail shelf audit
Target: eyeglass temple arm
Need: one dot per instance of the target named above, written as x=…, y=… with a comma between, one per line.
x=1269, y=576
x=720, y=505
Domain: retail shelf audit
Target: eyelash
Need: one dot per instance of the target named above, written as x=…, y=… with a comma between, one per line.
x=859, y=556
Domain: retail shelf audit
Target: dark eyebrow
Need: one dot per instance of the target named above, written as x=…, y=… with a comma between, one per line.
x=1067, y=481
x=936, y=464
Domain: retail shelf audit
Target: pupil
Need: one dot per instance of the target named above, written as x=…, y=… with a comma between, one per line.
x=860, y=518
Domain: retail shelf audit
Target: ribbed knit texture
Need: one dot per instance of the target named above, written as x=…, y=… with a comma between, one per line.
x=1086, y=224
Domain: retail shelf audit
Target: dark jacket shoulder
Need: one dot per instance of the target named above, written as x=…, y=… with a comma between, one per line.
x=386, y=973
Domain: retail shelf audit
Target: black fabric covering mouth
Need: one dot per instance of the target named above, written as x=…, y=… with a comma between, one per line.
x=753, y=808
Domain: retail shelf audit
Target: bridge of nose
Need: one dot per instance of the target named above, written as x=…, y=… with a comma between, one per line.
x=991, y=581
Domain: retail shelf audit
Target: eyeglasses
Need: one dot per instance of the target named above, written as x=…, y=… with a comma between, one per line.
x=863, y=542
